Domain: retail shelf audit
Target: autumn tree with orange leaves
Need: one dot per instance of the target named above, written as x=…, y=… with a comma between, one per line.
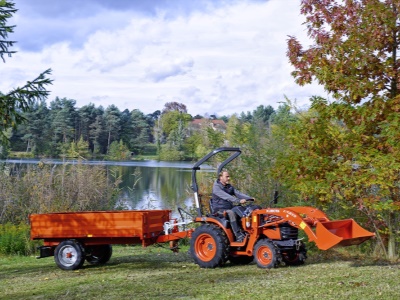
x=348, y=150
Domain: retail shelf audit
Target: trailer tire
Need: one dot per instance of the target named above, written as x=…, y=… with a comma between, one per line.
x=266, y=254
x=98, y=254
x=69, y=255
x=209, y=246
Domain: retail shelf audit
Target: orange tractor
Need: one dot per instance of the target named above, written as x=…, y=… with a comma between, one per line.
x=271, y=233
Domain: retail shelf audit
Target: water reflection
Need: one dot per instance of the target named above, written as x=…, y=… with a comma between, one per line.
x=154, y=187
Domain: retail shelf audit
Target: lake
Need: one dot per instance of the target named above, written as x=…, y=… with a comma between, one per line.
x=148, y=184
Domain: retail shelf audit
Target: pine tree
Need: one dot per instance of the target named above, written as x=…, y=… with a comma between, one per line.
x=18, y=100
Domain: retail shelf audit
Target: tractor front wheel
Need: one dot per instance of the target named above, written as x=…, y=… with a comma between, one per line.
x=209, y=246
x=295, y=257
x=69, y=255
x=265, y=254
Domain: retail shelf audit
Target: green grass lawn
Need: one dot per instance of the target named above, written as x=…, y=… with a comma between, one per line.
x=157, y=273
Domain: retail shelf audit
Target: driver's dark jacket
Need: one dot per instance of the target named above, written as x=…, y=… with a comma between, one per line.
x=225, y=197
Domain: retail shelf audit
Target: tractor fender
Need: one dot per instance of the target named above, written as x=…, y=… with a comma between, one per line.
x=222, y=223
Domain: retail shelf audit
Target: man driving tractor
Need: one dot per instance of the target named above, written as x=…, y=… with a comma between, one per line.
x=225, y=198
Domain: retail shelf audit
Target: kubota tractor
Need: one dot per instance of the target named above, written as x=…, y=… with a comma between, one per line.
x=271, y=233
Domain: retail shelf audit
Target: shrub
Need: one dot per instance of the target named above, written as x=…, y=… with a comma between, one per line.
x=14, y=239
x=170, y=153
x=48, y=188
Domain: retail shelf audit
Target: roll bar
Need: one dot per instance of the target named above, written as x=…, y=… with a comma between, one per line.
x=196, y=167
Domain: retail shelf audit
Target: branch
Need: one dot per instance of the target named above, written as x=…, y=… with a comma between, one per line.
x=19, y=100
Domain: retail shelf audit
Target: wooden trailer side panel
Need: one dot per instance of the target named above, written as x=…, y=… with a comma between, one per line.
x=99, y=224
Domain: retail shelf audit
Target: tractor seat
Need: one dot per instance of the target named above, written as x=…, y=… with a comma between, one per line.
x=220, y=215
x=214, y=212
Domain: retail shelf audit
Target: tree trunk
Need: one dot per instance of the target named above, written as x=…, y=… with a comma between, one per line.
x=391, y=247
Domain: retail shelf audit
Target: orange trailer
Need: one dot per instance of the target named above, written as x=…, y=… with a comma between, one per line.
x=73, y=237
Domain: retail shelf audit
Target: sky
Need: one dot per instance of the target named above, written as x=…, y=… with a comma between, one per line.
x=216, y=57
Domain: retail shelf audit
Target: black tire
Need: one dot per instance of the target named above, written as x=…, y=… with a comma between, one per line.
x=69, y=255
x=98, y=254
x=209, y=246
x=241, y=260
x=295, y=257
x=266, y=255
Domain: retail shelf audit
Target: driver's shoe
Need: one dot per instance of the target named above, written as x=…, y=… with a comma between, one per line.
x=240, y=236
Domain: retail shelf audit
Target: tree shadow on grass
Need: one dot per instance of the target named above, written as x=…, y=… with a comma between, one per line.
x=28, y=269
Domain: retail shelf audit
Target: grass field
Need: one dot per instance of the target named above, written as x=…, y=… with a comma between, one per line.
x=157, y=273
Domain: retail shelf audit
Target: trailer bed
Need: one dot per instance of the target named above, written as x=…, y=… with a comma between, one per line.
x=94, y=227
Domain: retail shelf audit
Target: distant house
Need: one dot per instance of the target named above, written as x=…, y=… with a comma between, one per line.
x=198, y=124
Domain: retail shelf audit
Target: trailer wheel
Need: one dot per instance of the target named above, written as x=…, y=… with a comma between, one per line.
x=265, y=254
x=98, y=254
x=209, y=246
x=69, y=255
x=240, y=259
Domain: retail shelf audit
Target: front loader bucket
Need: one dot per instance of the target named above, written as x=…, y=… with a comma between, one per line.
x=340, y=233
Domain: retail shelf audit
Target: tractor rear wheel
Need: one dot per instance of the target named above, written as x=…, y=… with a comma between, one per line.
x=209, y=246
x=99, y=254
x=265, y=254
x=69, y=255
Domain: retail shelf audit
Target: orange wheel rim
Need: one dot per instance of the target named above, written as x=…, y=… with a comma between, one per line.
x=205, y=247
x=264, y=255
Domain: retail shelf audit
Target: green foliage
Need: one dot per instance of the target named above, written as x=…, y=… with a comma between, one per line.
x=191, y=145
x=170, y=153
x=139, y=133
x=215, y=138
x=346, y=152
x=14, y=240
x=7, y=9
x=170, y=121
x=118, y=151
x=354, y=55
x=78, y=150
x=339, y=154
x=18, y=100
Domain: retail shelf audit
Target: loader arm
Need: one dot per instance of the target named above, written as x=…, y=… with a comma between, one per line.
x=319, y=229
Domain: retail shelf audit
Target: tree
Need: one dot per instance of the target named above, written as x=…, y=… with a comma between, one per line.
x=97, y=135
x=262, y=114
x=171, y=120
x=36, y=129
x=118, y=151
x=345, y=151
x=62, y=117
x=18, y=100
x=174, y=106
x=140, y=131
x=87, y=116
x=355, y=48
x=112, y=117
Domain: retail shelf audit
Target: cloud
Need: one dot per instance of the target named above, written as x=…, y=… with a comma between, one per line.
x=163, y=70
x=220, y=58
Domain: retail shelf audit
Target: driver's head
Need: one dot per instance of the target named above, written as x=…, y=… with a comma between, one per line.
x=224, y=177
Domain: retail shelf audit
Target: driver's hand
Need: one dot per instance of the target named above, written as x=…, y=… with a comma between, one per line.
x=242, y=201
